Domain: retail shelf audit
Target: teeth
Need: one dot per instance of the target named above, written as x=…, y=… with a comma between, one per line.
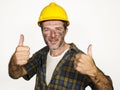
x=53, y=41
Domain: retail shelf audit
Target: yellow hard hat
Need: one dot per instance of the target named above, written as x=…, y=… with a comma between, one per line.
x=53, y=12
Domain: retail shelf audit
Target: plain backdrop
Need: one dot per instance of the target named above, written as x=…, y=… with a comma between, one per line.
x=95, y=22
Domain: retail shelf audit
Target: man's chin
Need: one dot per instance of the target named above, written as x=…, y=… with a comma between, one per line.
x=53, y=47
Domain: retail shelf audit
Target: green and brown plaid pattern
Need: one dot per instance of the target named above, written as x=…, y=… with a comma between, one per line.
x=64, y=76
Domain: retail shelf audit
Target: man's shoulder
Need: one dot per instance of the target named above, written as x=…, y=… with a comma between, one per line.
x=75, y=49
x=42, y=51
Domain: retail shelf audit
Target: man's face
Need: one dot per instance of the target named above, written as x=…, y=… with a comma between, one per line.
x=54, y=33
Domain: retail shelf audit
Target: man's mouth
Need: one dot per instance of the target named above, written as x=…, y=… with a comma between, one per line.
x=53, y=41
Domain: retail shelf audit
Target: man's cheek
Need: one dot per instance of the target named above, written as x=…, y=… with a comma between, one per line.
x=45, y=35
x=60, y=34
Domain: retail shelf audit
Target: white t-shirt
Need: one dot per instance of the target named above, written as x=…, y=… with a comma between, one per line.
x=51, y=65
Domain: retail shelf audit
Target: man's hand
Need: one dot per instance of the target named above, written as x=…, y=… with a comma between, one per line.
x=22, y=52
x=84, y=63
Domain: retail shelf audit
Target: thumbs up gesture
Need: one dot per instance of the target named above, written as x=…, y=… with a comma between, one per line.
x=22, y=52
x=84, y=63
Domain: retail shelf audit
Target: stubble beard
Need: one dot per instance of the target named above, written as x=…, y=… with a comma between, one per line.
x=56, y=46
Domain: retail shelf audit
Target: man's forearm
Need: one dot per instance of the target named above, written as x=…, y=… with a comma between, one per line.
x=102, y=81
x=16, y=71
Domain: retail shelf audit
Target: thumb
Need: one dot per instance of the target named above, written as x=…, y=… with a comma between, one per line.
x=21, y=41
x=89, y=50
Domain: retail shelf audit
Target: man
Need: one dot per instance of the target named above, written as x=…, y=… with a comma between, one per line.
x=59, y=65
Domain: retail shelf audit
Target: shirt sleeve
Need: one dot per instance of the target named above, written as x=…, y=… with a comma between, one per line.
x=88, y=82
x=31, y=67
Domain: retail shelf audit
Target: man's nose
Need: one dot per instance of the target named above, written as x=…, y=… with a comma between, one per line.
x=53, y=33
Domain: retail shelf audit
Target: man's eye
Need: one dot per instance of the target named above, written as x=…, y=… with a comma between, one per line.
x=59, y=29
x=45, y=29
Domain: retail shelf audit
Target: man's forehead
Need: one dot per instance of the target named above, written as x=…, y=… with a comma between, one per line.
x=53, y=22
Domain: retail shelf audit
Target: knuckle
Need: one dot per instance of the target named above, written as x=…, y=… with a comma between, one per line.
x=21, y=62
x=78, y=55
x=18, y=48
x=22, y=48
x=27, y=48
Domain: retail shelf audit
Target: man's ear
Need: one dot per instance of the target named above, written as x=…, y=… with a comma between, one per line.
x=66, y=31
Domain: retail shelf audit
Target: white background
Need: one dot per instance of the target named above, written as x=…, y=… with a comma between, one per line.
x=95, y=22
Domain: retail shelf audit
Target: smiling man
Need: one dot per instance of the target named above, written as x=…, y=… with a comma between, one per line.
x=59, y=65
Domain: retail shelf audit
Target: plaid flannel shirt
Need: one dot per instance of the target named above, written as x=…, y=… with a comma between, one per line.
x=64, y=77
